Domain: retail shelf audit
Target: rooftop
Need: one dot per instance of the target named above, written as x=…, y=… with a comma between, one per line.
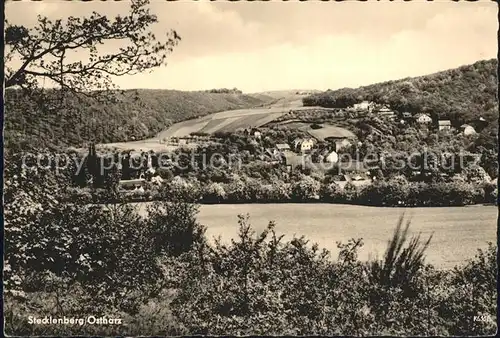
x=281, y=146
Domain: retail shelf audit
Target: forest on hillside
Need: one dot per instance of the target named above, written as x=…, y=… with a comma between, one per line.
x=130, y=115
x=460, y=94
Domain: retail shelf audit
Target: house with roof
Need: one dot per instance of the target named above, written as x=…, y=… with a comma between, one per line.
x=358, y=180
x=423, y=118
x=386, y=113
x=357, y=167
x=131, y=184
x=444, y=125
x=406, y=115
x=282, y=147
x=384, y=109
x=340, y=137
x=292, y=160
x=468, y=129
x=364, y=106
x=272, y=155
x=303, y=145
x=332, y=157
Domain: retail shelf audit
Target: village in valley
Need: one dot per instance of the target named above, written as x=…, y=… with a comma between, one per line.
x=179, y=168
x=322, y=144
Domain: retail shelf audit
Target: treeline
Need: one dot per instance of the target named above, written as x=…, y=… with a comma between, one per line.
x=460, y=94
x=224, y=91
x=64, y=120
x=161, y=276
x=392, y=193
x=212, y=174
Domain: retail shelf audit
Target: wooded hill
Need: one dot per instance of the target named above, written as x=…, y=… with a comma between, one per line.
x=460, y=94
x=135, y=114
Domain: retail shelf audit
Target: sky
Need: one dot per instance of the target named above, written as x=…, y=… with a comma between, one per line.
x=298, y=45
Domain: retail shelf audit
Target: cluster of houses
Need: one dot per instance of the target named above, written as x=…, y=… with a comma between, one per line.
x=293, y=155
x=446, y=125
x=299, y=151
x=385, y=112
x=298, y=154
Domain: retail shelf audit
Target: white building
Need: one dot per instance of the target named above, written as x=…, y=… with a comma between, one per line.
x=333, y=157
x=386, y=113
x=444, y=125
x=303, y=145
x=135, y=183
x=365, y=105
x=468, y=130
x=423, y=118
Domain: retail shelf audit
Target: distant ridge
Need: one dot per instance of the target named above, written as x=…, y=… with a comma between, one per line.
x=131, y=117
x=459, y=94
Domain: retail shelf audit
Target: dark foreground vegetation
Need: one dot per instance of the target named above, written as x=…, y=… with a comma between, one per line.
x=161, y=276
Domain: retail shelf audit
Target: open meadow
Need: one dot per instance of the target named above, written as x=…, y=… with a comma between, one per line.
x=231, y=120
x=458, y=231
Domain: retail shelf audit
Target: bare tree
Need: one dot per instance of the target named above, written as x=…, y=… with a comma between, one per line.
x=41, y=56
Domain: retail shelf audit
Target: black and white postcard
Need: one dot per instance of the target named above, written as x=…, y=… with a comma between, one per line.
x=238, y=168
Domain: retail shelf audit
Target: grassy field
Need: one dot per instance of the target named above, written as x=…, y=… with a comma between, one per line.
x=322, y=133
x=227, y=121
x=458, y=231
x=330, y=131
x=275, y=105
x=231, y=120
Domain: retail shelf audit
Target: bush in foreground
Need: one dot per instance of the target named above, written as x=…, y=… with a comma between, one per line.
x=162, y=277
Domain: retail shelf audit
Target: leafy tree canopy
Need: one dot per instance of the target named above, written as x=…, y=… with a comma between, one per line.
x=44, y=55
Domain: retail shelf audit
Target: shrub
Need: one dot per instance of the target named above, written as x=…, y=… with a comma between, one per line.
x=173, y=227
x=331, y=192
x=237, y=191
x=381, y=193
x=350, y=193
x=180, y=189
x=306, y=189
x=97, y=248
x=490, y=192
x=280, y=191
x=214, y=193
